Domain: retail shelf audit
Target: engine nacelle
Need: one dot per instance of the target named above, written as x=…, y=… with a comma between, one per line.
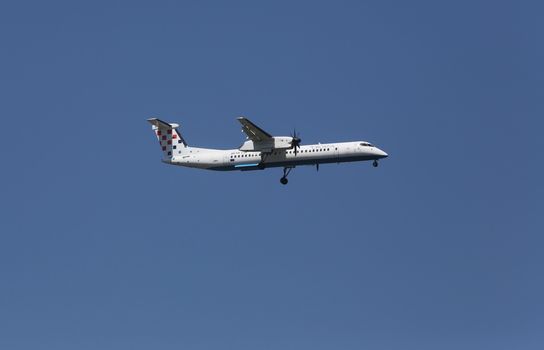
x=278, y=142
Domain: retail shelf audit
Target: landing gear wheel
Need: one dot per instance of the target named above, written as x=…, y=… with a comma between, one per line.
x=375, y=164
x=286, y=172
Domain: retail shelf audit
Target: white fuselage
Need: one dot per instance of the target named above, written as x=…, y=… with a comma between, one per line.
x=235, y=159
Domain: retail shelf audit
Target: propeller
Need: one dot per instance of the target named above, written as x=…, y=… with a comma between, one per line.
x=295, y=142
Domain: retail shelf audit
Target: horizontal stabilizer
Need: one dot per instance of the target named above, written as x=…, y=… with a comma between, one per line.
x=160, y=124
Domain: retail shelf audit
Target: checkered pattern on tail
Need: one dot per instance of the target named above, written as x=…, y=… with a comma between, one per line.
x=170, y=140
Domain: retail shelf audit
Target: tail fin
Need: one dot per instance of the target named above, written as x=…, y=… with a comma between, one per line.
x=169, y=138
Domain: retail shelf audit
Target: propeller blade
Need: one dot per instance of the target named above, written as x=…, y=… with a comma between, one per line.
x=295, y=142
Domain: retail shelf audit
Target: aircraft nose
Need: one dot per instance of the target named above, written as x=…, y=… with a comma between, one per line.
x=382, y=154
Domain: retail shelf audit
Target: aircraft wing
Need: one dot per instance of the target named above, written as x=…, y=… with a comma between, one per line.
x=253, y=132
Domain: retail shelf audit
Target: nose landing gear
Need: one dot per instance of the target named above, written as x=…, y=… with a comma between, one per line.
x=375, y=163
x=286, y=172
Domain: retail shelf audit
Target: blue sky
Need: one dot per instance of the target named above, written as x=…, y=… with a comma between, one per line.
x=103, y=246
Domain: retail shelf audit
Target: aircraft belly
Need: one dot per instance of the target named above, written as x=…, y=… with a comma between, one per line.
x=317, y=160
x=300, y=160
x=282, y=160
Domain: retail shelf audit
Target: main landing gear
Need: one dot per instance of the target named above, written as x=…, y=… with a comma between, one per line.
x=286, y=172
x=375, y=163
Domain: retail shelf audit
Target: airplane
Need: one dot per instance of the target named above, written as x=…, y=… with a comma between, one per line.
x=260, y=151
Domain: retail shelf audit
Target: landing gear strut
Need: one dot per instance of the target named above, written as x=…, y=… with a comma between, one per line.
x=375, y=163
x=286, y=172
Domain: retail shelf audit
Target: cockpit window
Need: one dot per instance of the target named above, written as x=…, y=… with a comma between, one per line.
x=366, y=144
